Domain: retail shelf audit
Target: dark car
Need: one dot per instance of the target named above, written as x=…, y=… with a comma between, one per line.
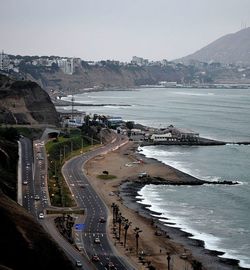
x=102, y=220
x=110, y=266
x=95, y=258
x=78, y=264
x=97, y=240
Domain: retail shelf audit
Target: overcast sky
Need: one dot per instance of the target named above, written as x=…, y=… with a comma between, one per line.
x=117, y=29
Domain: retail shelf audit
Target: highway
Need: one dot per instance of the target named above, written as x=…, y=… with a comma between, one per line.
x=36, y=200
x=87, y=198
x=28, y=188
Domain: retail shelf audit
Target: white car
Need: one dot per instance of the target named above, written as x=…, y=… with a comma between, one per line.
x=41, y=215
x=97, y=240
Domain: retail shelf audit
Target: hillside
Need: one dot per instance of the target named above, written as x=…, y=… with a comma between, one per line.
x=229, y=49
x=24, y=243
x=25, y=102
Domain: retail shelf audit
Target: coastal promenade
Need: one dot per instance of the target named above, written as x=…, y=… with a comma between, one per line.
x=156, y=240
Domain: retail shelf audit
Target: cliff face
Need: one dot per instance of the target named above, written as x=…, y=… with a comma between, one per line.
x=25, y=102
x=108, y=76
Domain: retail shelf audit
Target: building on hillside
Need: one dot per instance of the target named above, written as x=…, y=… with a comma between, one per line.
x=69, y=119
x=139, y=61
x=66, y=65
x=4, y=61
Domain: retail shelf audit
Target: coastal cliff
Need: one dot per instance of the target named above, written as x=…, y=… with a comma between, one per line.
x=105, y=76
x=25, y=102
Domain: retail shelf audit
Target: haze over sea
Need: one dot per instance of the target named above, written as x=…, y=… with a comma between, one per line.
x=219, y=215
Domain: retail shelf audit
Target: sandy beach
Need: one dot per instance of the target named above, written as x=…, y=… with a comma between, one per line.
x=155, y=239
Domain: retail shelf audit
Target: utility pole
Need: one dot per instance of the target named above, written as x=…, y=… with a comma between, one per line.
x=113, y=206
x=64, y=151
x=55, y=168
x=72, y=105
x=168, y=259
x=60, y=155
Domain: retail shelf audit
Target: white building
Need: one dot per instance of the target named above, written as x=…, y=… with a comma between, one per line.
x=162, y=137
x=139, y=61
x=66, y=65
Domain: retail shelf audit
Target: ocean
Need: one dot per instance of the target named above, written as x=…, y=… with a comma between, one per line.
x=219, y=215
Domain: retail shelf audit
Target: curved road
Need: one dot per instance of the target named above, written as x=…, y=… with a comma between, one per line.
x=87, y=198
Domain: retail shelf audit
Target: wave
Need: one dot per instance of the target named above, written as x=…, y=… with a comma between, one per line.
x=211, y=242
x=115, y=106
x=194, y=94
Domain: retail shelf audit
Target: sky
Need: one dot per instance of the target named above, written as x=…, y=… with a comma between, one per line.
x=117, y=29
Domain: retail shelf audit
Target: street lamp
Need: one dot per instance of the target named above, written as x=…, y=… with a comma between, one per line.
x=168, y=259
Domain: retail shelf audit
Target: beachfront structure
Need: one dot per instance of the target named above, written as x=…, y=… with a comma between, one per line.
x=167, y=137
x=114, y=121
x=183, y=134
x=136, y=131
x=173, y=134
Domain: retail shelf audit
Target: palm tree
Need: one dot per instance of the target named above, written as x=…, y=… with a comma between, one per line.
x=119, y=220
x=137, y=231
x=126, y=226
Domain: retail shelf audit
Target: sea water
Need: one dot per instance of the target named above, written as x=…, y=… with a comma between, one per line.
x=219, y=215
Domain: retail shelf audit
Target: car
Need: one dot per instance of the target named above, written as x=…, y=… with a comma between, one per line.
x=97, y=240
x=184, y=256
x=41, y=215
x=25, y=182
x=102, y=220
x=37, y=198
x=95, y=258
x=78, y=263
x=110, y=266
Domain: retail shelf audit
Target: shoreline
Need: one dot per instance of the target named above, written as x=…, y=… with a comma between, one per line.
x=197, y=246
x=131, y=199
x=126, y=189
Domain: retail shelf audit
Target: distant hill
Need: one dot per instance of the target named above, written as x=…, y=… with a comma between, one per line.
x=229, y=49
